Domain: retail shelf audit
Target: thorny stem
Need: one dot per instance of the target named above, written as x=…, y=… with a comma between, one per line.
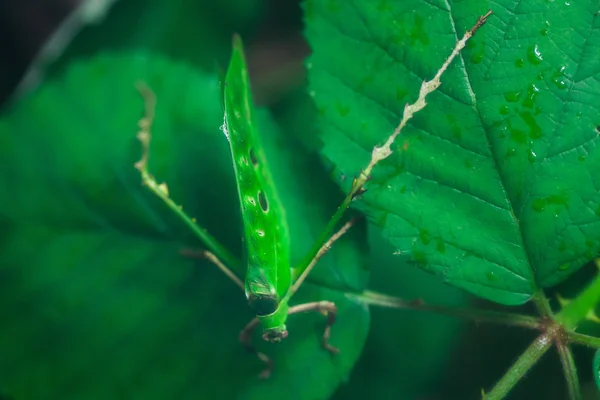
x=383, y=152
x=496, y=317
x=523, y=364
x=570, y=370
x=161, y=190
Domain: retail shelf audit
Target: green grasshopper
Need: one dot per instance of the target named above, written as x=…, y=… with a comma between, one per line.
x=270, y=283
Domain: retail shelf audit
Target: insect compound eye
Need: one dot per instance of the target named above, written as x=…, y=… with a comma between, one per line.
x=263, y=304
x=262, y=200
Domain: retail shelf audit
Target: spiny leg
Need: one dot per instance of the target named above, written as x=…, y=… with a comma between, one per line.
x=245, y=338
x=322, y=251
x=328, y=309
x=162, y=191
x=207, y=255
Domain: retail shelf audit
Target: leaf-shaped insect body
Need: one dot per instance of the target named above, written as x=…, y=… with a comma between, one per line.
x=266, y=236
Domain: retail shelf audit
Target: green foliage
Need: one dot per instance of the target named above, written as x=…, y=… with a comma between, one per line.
x=107, y=306
x=493, y=186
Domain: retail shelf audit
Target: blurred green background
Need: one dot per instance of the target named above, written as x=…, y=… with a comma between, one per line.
x=407, y=355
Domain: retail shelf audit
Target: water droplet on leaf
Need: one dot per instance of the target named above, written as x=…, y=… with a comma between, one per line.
x=519, y=63
x=534, y=55
x=491, y=275
x=564, y=267
x=512, y=97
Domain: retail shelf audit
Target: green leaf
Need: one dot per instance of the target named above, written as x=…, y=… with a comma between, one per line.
x=97, y=301
x=425, y=339
x=493, y=185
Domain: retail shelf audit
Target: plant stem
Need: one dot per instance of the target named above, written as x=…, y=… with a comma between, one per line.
x=570, y=370
x=542, y=304
x=585, y=340
x=523, y=364
x=378, y=299
x=580, y=307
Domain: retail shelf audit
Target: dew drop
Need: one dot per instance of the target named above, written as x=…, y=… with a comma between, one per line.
x=441, y=246
x=532, y=92
x=425, y=237
x=512, y=97
x=510, y=153
x=539, y=205
x=477, y=57
x=534, y=55
x=581, y=158
x=519, y=63
x=491, y=275
x=343, y=109
x=531, y=156
x=260, y=232
x=504, y=110
x=564, y=267
x=558, y=78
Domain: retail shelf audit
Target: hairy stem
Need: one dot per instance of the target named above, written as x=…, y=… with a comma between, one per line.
x=523, y=364
x=383, y=152
x=378, y=299
x=585, y=340
x=542, y=304
x=570, y=371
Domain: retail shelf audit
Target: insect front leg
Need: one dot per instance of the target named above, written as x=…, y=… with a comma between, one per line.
x=218, y=254
x=245, y=338
x=329, y=310
x=207, y=255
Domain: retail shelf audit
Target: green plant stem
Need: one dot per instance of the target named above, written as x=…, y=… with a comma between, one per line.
x=378, y=299
x=542, y=304
x=580, y=307
x=570, y=371
x=523, y=364
x=585, y=340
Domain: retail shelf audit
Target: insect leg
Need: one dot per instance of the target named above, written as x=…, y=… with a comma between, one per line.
x=322, y=251
x=207, y=255
x=327, y=308
x=161, y=190
x=246, y=341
